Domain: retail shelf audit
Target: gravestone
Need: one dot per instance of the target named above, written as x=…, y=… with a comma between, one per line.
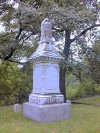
x=17, y=107
x=46, y=103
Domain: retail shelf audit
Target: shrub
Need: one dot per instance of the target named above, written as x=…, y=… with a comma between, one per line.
x=97, y=89
x=82, y=90
x=71, y=92
x=85, y=89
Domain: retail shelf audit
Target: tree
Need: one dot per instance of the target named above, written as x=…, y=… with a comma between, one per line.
x=93, y=62
x=14, y=85
x=75, y=18
x=9, y=80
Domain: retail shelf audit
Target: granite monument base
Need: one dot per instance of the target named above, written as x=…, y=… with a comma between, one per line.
x=41, y=99
x=46, y=113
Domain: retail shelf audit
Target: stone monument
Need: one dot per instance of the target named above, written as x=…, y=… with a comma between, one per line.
x=46, y=103
x=17, y=107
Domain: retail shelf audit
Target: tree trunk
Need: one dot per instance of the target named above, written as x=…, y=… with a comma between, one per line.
x=67, y=44
x=63, y=70
x=62, y=82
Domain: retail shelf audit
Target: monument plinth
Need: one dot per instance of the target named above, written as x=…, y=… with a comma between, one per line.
x=46, y=103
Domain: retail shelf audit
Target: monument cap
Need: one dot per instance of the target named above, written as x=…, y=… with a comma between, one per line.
x=46, y=24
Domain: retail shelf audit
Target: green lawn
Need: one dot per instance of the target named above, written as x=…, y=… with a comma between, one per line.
x=84, y=119
x=91, y=100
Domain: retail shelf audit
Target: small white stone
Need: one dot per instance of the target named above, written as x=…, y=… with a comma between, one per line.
x=68, y=101
x=17, y=107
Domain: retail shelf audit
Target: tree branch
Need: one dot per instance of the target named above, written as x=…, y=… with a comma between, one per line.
x=27, y=38
x=12, y=49
x=58, y=30
x=21, y=63
x=19, y=33
x=85, y=31
x=10, y=54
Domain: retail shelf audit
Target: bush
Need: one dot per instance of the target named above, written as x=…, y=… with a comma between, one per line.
x=82, y=90
x=85, y=89
x=71, y=92
x=97, y=89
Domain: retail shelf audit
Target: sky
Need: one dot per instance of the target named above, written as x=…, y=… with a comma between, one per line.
x=2, y=29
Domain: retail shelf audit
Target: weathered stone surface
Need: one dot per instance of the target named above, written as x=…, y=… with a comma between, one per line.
x=17, y=107
x=46, y=103
x=46, y=113
x=46, y=31
x=46, y=99
x=46, y=78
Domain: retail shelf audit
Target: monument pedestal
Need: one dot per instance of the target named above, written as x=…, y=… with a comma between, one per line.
x=46, y=99
x=46, y=113
x=46, y=103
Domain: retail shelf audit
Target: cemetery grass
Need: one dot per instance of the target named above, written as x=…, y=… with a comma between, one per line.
x=94, y=100
x=84, y=119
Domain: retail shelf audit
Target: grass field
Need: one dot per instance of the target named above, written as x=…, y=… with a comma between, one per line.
x=91, y=100
x=84, y=119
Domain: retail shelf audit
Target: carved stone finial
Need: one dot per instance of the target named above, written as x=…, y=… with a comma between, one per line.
x=46, y=31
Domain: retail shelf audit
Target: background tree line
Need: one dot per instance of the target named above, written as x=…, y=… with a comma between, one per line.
x=74, y=23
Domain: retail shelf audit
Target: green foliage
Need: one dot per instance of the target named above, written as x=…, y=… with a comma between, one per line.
x=82, y=89
x=77, y=70
x=71, y=92
x=23, y=22
x=93, y=62
x=85, y=89
x=8, y=77
x=14, y=85
x=22, y=31
x=97, y=89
